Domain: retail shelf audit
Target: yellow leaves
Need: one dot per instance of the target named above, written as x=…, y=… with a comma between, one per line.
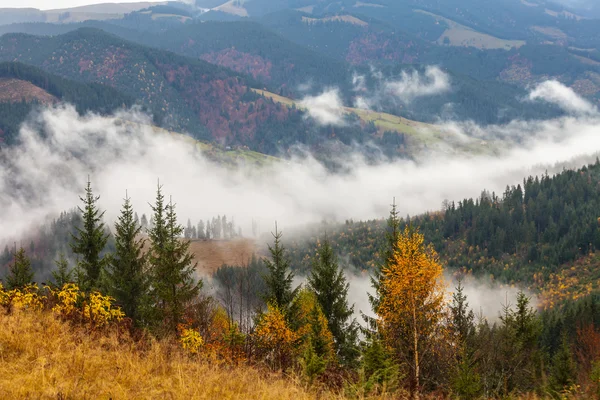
x=411, y=290
x=190, y=340
x=67, y=299
x=96, y=309
x=99, y=310
x=70, y=303
x=273, y=331
x=26, y=298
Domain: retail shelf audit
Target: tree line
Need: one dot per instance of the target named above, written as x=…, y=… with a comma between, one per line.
x=418, y=340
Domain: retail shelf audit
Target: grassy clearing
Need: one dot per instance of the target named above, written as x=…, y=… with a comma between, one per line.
x=44, y=358
x=463, y=36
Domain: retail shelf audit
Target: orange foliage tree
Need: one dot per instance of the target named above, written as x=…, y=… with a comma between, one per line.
x=275, y=340
x=411, y=306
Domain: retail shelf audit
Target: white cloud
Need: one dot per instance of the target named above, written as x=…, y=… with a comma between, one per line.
x=556, y=93
x=326, y=108
x=413, y=85
x=409, y=86
x=46, y=174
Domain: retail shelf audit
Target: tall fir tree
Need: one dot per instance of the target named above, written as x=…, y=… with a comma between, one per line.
x=386, y=253
x=172, y=267
x=279, y=277
x=62, y=275
x=462, y=317
x=20, y=273
x=126, y=275
x=329, y=284
x=90, y=240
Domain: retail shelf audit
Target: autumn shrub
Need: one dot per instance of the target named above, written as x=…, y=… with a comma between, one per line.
x=94, y=309
x=27, y=297
x=190, y=339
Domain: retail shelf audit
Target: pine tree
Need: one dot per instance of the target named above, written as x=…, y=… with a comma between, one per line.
x=62, y=275
x=387, y=252
x=172, y=267
x=563, y=367
x=463, y=318
x=127, y=280
x=20, y=273
x=329, y=284
x=90, y=240
x=279, y=278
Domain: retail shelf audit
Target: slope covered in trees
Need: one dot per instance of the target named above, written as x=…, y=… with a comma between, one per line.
x=85, y=97
x=544, y=233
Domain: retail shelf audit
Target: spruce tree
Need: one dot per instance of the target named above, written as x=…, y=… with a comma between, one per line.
x=20, y=273
x=172, y=267
x=127, y=280
x=62, y=275
x=462, y=317
x=90, y=240
x=279, y=277
x=329, y=284
x=386, y=253
x=563, y=367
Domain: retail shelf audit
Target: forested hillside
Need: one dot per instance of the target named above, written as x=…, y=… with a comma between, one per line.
x=544, y=233
x=207, y=101
x=24, y=78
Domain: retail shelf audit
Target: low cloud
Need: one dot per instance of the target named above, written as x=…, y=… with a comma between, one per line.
x=556, y=93
x=409, y=86
x=326, y=108
x=412, y=85
x=46, y=173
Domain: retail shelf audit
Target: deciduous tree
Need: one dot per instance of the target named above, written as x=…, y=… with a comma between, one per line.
x=411, y=303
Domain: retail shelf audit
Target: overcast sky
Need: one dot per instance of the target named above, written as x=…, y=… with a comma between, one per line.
x=54, y=4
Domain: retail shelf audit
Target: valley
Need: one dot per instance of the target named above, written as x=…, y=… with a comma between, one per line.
x=300, y=199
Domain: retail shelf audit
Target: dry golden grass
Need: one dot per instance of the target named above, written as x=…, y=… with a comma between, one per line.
x=44, y=358
x=211, y=254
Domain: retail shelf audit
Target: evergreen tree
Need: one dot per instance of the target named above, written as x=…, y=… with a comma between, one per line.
x=201, y=231
x=329, y=284
x=62, y=275
x=90, y=240
x=463, y=318
x=387, y=252
x=144, y=223
x=279, y=277
x=563, y=367
x=172, y=267
x=127, y=280
x=20, y=273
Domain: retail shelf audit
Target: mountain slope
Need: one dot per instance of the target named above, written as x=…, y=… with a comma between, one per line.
x=22, y=87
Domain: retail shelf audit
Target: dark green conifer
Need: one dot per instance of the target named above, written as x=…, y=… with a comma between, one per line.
x=62, y=275
x=20, y=273
x=279, y=277
x=329, y=284
x=126, y=276
x=172, y=267
x=89, y=241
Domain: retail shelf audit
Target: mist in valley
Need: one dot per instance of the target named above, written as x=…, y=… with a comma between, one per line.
x=59, y=150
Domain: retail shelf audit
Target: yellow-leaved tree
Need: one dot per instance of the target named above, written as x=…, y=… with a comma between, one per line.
x=411, y=306
x=275, y=339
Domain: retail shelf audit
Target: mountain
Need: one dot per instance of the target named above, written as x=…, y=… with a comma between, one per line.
x=292, y=70
x=75, y=14
x=186, y=95
x=23, y=87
